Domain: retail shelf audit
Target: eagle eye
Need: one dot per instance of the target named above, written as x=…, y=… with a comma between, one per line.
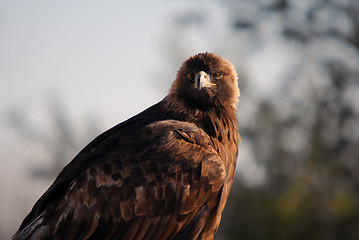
x=189, y=76
x=217, y=75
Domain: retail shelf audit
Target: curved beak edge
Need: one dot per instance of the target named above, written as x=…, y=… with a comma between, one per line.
x=202, y=80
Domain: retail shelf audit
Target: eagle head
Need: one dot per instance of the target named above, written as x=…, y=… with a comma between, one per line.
x=205, y=81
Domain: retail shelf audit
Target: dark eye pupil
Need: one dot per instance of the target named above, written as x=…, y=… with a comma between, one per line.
x=217, y=75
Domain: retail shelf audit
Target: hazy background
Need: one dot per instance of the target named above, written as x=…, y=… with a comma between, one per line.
x=69, y=70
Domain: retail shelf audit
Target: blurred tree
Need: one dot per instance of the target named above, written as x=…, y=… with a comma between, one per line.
x=305, y=131
x=62, y=143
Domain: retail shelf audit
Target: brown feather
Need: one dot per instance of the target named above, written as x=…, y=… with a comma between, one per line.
x=163, y=174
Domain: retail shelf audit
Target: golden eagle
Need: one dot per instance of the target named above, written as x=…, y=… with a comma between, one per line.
x=163, y=174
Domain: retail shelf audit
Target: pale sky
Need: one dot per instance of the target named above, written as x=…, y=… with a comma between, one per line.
x=78, y=49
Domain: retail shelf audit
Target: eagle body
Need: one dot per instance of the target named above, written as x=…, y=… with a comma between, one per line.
x=163, y=174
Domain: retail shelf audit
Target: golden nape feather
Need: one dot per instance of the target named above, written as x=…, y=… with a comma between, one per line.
x=163, y=174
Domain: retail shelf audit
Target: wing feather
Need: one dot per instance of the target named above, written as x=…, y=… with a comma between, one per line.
x=152, y=183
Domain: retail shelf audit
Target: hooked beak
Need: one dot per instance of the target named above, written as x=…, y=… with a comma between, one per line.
x=202, y=80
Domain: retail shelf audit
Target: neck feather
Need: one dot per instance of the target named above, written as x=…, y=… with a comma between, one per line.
x=216, y=121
